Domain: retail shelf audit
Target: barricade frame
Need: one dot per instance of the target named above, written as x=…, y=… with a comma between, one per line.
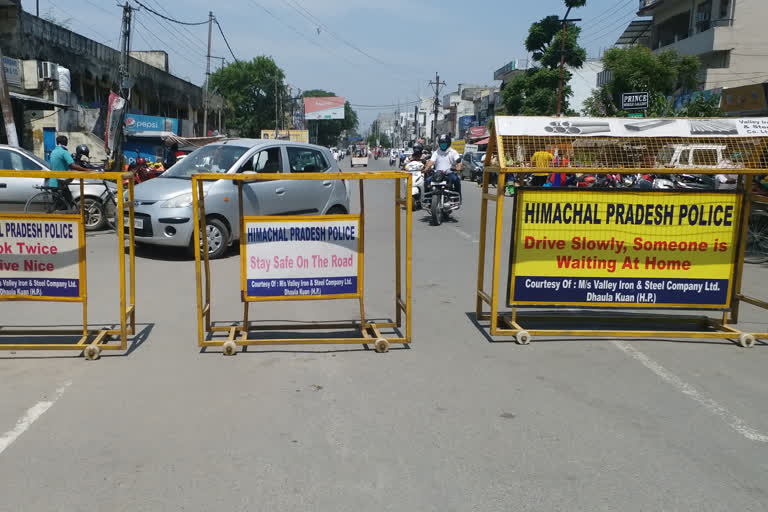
x=371, y=332
x=510, y=323
x=92, y=341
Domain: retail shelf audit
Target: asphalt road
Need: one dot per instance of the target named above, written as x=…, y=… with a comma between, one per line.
x=456, y=422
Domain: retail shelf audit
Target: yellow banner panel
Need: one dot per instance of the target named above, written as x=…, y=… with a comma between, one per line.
x=624, y=249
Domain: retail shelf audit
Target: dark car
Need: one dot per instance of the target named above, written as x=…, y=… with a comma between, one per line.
x=472, y=166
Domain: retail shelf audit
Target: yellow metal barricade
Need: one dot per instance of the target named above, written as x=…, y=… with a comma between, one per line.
x=347, y=232
x=48, y=263
x=611, y=244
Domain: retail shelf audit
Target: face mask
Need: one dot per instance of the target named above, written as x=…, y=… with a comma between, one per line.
x=443, y=146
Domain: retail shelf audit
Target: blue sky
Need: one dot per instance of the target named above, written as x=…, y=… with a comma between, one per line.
x=371, y=53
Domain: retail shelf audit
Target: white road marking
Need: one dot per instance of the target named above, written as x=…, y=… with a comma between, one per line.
x=710, y=405
x=465, y=235
x=32, y=414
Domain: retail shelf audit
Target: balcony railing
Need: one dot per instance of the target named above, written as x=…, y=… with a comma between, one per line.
x=645, y=4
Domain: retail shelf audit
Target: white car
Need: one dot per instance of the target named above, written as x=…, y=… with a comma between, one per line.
x=14, y=192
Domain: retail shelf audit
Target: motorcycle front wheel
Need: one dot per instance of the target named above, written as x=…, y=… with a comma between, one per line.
x=436, y=208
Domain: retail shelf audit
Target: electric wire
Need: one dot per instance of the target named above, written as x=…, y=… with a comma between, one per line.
x=167, y=18
x=225, y=39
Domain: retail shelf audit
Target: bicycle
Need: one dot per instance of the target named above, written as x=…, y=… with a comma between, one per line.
x=96, y=213
x=756, y=249
x=49, y=200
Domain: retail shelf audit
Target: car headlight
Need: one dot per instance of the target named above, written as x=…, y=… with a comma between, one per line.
x=180, y=201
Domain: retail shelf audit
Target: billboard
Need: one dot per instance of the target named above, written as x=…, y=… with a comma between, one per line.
x=465, y=122
x=329, y=107
x=137, y=125
x=292, y=135
x=623, y=249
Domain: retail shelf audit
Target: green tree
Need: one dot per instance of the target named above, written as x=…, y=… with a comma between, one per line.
x=329, y=131
x=639, y=69
x=535, y=91
x=250, y=89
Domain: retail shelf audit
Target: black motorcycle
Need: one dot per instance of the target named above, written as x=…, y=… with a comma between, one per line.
x=442, y=197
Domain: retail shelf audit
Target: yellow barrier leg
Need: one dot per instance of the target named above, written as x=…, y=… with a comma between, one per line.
x=131, y=255
x=198, y=273
x=481, y=251
x=361, y=255
x=398, y=276
x=83, y=253
x=121, y=258
x=746, y=209
x=408, y=256
x=497, y=256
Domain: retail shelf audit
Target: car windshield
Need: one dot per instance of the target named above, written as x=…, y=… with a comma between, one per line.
x=478, y=157
x=217, y=158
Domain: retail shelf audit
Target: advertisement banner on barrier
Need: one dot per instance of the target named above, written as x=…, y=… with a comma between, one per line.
x=41, y=257
x=623, y=249
x=292, y=258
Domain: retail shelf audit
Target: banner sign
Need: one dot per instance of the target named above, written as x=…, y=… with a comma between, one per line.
x=623, y=249
x=115, y=113
x=41, y=257
x=634, y=101
x=290, y=258
x=515, y=126
x=292, y=135
x=328, y=107
x=13, y=74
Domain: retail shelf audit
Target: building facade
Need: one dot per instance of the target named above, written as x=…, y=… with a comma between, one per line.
x=60, y=83
x=726, y=35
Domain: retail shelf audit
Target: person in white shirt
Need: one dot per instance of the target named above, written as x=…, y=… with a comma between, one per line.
x=446, y=159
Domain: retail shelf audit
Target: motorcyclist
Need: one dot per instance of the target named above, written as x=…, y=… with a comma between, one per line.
x=417, y=156
x=446, y=159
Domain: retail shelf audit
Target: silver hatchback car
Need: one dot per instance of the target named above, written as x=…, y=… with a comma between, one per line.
x=163, y=206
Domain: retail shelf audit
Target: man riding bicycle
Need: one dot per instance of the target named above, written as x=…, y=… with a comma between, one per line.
x=61, y=160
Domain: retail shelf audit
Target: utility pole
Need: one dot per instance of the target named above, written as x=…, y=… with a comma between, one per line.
x=565, y=21
x=124, y=86
x=436, y=86
x=207, y=75
x=416, y=121
x=5, y=105
x=276, y=108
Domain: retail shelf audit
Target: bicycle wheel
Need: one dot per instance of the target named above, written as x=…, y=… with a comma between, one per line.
x=109, y=207
x=42, y=202
x=756, y=250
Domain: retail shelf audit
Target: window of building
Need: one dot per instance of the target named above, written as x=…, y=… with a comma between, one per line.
x=703, y=19
x=725, y=9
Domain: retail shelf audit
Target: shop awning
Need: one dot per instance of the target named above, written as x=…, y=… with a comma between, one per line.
x=35, y=99
x=481, y=142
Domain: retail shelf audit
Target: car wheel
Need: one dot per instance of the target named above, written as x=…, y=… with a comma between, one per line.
x=336, y=210
x=94, y=214
x=218, y=238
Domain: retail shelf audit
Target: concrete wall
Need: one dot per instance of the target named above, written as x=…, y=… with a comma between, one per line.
x=155, y=58
x=583, y=83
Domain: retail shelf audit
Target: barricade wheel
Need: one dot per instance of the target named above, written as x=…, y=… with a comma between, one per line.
x=382, y=345
x=523, y=338
x=92, y=352
x=229, y=348
x=746, y=340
